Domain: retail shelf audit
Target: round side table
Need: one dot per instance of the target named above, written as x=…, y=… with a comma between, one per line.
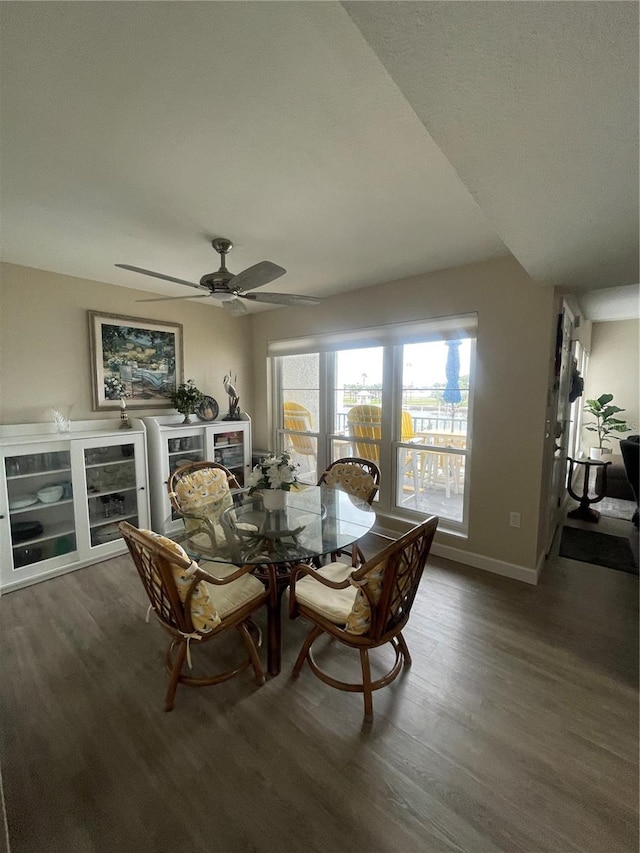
x=584, y=511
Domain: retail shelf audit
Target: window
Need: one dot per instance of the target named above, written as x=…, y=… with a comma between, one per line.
x=398, y=395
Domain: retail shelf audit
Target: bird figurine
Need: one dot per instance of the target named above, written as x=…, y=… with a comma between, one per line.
x=234, y=398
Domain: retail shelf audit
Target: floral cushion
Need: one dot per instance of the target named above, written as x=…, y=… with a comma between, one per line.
x=359, y=619
x=204, y=615
x=352, y=479
x=205, y=491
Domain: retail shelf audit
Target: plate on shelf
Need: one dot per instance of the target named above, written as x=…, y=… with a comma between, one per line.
x=22, y=501
x=207, y=409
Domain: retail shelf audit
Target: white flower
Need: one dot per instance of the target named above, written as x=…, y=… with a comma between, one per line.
x=274, y=472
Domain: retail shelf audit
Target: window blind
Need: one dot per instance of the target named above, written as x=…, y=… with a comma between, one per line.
x=415, y=331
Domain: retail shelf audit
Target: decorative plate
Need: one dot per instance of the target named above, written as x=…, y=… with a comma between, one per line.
x=207, y=409
x=22, y=501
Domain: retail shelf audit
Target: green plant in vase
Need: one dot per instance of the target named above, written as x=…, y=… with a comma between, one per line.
x=605, y=424
x=185, y=399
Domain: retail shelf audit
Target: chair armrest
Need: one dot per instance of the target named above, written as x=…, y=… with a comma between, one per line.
x=202, y=575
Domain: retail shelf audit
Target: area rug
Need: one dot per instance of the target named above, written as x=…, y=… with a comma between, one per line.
x=588, y=546
x=616, y=508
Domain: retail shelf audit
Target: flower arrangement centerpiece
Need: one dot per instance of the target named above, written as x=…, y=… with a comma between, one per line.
x=185, y=398
x=274, y=476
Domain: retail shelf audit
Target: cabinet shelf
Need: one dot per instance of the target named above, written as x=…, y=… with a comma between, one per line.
x=108, y=463
x=112, y=519
x=31, y=474
x=39, y=506
x=52, y=531
x=105, y=492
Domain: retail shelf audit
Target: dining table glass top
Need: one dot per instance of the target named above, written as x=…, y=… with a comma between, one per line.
x=316, y=521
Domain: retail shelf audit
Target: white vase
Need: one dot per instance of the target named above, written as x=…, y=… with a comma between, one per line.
x=595, y=453
x=274, y=499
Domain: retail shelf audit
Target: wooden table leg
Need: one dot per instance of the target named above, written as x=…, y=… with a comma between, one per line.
x=274, y=621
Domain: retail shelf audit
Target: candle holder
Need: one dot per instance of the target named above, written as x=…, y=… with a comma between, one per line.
x=124, y=415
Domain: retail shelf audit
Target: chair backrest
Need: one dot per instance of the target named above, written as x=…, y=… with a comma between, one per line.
x=166, y=573
x=365, y=422
x=298, y=417
x=359, y=477
x=387, y=584
x=201, y=488
x=407, y=431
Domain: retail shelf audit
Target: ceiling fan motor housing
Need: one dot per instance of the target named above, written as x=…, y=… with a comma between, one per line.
x=218, y=281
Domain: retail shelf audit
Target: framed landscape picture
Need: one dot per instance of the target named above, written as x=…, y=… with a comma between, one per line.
x=140, y=360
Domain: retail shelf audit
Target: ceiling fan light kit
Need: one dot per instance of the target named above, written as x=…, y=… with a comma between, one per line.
x=230, y=289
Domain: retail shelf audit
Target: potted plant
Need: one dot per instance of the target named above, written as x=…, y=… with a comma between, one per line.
x=606, y=423
x=274, y=476
x=185, y=398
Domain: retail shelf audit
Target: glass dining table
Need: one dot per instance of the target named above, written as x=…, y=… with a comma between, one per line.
x=317, y=520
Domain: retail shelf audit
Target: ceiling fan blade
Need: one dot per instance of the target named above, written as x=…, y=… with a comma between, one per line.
x=235, y=307
x=282, y=298
x=256, y=276
x=171, y=298
x=160, y=275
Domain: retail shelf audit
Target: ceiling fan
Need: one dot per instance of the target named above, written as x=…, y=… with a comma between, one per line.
x=231, y=289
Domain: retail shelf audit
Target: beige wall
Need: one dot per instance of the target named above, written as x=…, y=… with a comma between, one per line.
x=44, y=362
x=516, y=323
x=614, y=369
x=44, y=343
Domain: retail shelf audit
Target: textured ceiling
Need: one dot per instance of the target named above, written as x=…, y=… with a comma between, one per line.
x=351, y=144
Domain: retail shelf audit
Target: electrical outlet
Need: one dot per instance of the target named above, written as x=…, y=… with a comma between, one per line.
x=514, y=519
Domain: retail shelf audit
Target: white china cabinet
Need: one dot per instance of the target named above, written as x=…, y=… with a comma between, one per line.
x=63, y=494
x=173, y=443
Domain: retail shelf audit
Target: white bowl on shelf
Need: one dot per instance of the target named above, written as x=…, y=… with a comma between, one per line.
x=50, y=494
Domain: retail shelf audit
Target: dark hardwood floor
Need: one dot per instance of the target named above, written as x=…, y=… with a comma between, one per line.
x=516, y=728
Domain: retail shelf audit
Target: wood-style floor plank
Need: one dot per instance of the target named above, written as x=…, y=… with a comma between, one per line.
x=515, y=730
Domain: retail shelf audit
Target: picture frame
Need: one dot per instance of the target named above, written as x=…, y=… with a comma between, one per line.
x=140, y=360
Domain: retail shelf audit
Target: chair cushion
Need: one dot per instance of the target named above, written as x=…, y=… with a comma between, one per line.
x=232, y=596
x=205, y=491
x=334, y=604
x=359, y=619
x=351, y=478
x=204, y=614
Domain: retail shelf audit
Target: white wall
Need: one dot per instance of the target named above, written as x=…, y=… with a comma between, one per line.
x=45, y=352
x=614, y=369
x=516, y=327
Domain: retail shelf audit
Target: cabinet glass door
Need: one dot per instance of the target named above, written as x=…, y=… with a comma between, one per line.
x=112, y=494
x=184, y=448
x=40, y=505
x=228, y=450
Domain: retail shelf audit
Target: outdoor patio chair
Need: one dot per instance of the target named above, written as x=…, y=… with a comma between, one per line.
x=297, y=417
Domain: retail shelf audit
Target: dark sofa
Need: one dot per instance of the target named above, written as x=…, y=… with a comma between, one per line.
x=630, y=449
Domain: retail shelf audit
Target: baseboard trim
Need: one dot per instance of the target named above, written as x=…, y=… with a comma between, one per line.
x=487, y=564
x=476, y=561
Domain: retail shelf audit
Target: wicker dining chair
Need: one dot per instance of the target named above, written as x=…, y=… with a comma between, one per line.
x=195, y=606
x=357, y=477
x=199, y=493
x=362, y=608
